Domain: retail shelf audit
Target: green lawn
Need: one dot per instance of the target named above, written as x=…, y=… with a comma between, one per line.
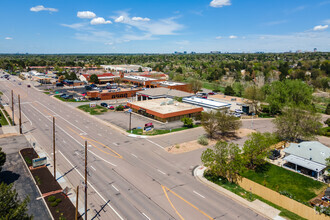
x=286, y=182
x=47, y=93
x=249, y=196
x=158, y=132
x=67, y=100
x=211, y=86
x=98, y=110
x=3, y=120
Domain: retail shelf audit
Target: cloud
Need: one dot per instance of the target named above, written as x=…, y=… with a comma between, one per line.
x=99, y=20
x=120, y=19
x=232, y=37
x=167, y=26
x=86, y=14
x=42, y=8
x=8, y=38
x=77, y=26
x=183, y=42
x=327, y=21
x=271, y=23
x=218, y=37
x=140, y=19
x=320, y=27
x=219, y=3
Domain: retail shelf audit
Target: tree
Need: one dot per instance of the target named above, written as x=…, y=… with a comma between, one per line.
x=195, y=85
x=254, y=94
x=327, y=110
x=287, y=92
x=229, y=90
x=10, y=205
x=2, y=158
x=209, y=122
x=256, y=148
x=187, y=122
x=117, y=80
x=224, y=160
x=297, y=124
x=218, y=122
x=327, y=122
x=327, y=162
x=140, y=69
x=94, y=79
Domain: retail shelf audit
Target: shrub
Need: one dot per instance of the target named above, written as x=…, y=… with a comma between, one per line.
x=187, y=122
x=58, y=200
x=120, y=108
x=38, y=180
x=28, y=160
x=51, y=199
x=203, y=140
x=53, y=204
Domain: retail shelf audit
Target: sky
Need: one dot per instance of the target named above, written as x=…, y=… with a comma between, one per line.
x=155, y=26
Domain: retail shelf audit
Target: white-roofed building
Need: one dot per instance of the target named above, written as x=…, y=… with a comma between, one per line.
x=207, y=104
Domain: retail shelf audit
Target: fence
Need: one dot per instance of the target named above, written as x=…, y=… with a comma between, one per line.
x=280, y=200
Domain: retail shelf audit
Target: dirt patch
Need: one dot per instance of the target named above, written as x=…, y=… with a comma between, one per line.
x=45, y=180
x=63, y=208
x=29, y=154
x=194, y=145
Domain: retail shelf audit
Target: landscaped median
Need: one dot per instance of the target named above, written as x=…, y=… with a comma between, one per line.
x=58, y=203
x=97, y=110
x=67, y=100
x=158, y=132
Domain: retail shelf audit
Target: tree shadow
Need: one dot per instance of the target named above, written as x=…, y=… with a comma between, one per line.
x=8, y=177
x=262, y=168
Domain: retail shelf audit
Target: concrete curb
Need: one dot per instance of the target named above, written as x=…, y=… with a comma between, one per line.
x=43, y=199
x=199, y=172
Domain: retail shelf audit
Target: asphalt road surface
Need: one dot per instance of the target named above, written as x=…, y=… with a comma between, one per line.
x=129, y=178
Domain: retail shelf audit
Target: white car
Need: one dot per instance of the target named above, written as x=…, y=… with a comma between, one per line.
x=238, y=115
x=238, y=111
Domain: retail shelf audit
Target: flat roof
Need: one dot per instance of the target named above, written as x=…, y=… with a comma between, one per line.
x=167, y=83
x=165, y=108
x=139, y=78
x=207, y=103
x=164, y=92
x=304, y=163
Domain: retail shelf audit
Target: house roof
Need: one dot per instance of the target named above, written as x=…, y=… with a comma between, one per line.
x=305, y=163
x=310, y=150
x=164, y=92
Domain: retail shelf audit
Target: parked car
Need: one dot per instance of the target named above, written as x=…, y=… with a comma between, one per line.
x=93, y=85
x=63, y=95
x=238, y=115
x=104, y=104
x=88, y=87
x=238, y=111
x=111, y=107
x=204, y=97
x=19, y=83
x=211, y=93
x=59, y=84
x=28, y=86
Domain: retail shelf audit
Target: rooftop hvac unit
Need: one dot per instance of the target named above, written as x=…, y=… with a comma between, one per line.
x=162, y=103
x=170, y=102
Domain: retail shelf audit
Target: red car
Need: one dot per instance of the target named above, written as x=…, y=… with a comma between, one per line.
x=111, y=107
x=204, y=97
x=211, y=93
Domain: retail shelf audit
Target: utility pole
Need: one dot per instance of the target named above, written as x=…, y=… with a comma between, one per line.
x=86, y=180
x=12, y=107
x=54, y=148
x=20, y=114
x=77, y=198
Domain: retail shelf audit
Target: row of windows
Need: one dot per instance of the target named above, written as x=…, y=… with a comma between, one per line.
x=119, y=96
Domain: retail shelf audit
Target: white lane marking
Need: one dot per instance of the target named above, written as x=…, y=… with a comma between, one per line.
x=199, y=194
x=27, y=118
x=64, y=141
x=102, y=158
x=115, y=188
x=61, y=117
x=146, y=216
x=161, y=172
x=92, y=187
x=155, y=143
x=86, y=127
x=99, y=135
x=115, y=143
x=93, y=168
x=134, y=155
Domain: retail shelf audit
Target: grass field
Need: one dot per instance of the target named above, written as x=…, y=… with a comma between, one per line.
x=3, y=120
x=286, y=182
x=249, y=196
x=98, y=110
x=211, y=86
x=158, y=132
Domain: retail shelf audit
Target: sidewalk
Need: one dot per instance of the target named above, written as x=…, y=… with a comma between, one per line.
x=257, y=206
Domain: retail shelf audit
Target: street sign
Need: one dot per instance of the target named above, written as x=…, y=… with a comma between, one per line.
x=37, y=162
x=130, y=110
x=148, y=128
x=92, y=105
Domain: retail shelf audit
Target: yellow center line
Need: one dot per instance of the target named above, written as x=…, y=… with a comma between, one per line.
x=171, y=203
x=92, y=140
x=164, y=187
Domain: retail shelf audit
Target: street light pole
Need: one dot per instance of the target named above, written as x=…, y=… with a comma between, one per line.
x=130, y=120
x=54, y=148
x=12, y=107
x=77, y=198
x=20, y=115
x=86, y=180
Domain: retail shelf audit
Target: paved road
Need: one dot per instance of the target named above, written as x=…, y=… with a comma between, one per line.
x=134, y=178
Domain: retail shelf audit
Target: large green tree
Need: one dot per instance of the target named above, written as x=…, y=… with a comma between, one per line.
x=11, y=208
x=224, y=160
x=94, y=79
x=2, y=158
x=287, y=92
x=218, y=123
x=256, y=148
x=297, y=124
x=195, y=85
x=254, y=94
